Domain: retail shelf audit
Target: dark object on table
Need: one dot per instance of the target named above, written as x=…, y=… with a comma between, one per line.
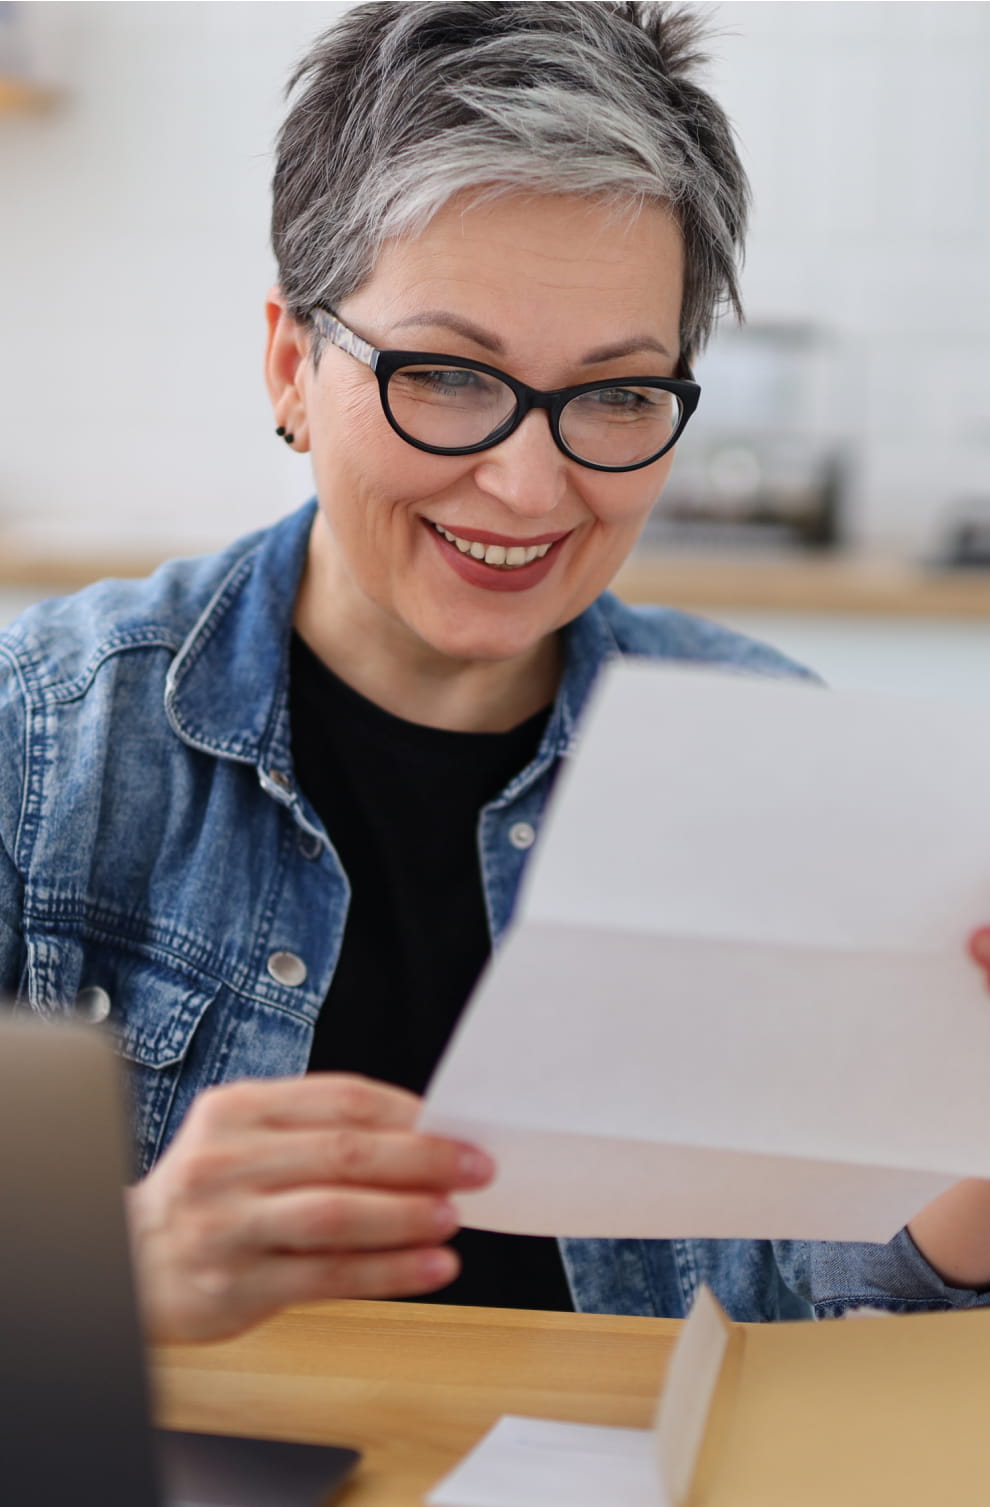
x=214, y=1470
x=74, y=1410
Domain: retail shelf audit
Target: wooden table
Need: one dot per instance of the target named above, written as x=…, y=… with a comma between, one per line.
x=412, y=1385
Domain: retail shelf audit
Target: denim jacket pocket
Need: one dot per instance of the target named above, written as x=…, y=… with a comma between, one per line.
x=150, y=1008
x=155, y=1026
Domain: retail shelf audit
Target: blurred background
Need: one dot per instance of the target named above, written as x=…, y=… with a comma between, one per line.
x=833, y=492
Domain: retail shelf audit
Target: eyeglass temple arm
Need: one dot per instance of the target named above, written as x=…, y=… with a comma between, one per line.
x=338, y=334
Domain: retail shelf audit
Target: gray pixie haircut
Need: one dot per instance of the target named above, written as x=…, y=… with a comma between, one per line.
x=400, y=106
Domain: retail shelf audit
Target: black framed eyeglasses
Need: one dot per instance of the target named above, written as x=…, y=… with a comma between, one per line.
x=449, y=405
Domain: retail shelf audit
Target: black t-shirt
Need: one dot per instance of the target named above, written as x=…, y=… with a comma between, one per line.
x=400, y=803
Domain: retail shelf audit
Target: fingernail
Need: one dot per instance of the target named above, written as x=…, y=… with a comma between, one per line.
x=979, y=945
x=437, y=1265
x=476, y=1166
x=446, y=1217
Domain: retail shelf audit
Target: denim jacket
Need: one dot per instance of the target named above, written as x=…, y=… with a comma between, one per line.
x=159, y=864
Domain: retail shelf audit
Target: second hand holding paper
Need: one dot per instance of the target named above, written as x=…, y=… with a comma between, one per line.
x=735, y=1001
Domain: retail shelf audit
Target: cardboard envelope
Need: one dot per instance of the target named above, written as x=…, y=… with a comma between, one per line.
x=878, y=1412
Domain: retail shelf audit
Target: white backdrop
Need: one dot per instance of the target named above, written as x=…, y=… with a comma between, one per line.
x=134, y=257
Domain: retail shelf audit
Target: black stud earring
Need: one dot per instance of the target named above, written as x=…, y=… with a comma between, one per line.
x=280, y=431
x=288, y=438
x=283, y=434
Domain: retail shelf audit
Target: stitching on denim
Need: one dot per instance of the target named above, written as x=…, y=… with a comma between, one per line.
x=22, y=809
x=118, y=643
x=200, y=635
x=172, y=947
x=50, y=691
x=174, y=1033
x=836, y=1307
x=276, y=887
x=687, y=1270
x=646, y=1287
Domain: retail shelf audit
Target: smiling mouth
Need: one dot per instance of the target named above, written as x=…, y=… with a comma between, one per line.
x=499, y=556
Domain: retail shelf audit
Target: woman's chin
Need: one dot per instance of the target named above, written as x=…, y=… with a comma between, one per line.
x=474, y=644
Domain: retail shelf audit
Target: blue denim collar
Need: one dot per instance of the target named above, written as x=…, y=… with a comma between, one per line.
x=227, y=689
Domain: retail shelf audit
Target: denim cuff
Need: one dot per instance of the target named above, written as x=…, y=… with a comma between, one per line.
x=894, y=1277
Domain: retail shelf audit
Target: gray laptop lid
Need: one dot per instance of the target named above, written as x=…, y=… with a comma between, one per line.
x=74, y=1420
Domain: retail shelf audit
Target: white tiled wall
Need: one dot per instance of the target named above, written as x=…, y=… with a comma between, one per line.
x=134, y=263
x=133, y=252
x=867, y=134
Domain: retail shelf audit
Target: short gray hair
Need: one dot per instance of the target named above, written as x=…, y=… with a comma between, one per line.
x=402, y=105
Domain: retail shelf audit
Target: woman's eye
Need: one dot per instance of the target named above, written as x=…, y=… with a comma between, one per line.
x=452, y=380
x=628, y=402
x=625, y=397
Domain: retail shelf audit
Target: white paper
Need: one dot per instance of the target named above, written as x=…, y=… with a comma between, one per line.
x=529, y=1462
x=736, y=1001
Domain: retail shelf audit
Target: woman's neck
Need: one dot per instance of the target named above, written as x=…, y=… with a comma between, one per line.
x=381, y=658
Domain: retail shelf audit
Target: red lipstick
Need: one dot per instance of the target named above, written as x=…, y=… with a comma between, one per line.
x=497, y=577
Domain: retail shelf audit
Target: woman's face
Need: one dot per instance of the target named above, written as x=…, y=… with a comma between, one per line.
x=555, y=291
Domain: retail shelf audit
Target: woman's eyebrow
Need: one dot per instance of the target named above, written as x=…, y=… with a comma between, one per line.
x=629, y=347
x=443, y=319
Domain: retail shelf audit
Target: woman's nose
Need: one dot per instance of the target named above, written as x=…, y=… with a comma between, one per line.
x=527, y=472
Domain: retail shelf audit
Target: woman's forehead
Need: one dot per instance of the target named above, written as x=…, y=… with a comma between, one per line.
x=517, y=266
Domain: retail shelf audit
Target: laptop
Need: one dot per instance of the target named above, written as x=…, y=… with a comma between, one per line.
x=75, y=1421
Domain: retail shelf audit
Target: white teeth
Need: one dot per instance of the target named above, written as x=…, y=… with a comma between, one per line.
x=504, y=557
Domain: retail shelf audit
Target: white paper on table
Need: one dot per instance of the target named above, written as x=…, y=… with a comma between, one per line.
x=531, y=1462
x=735, y=1001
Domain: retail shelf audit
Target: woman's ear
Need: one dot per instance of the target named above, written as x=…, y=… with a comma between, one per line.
x=286, y=370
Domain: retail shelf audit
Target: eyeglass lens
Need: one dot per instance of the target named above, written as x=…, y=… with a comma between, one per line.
x=453, y=408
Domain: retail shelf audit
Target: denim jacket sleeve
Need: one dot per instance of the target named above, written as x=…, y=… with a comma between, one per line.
x=12, y=730
x=835, y=1276
x=757, y=1281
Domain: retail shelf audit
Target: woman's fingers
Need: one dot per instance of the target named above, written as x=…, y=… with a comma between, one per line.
x=979, y=946
x=264, y=1288
x=346, y=1155
x=345, y=1219
x=288, y=1189
x=392, y=1274
x=318, y=1099
x=326, y=1128
x=979, y=950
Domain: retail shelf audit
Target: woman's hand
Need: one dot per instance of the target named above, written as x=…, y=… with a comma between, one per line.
x=953, y=1232
x=979, y=950
x=280, y=1191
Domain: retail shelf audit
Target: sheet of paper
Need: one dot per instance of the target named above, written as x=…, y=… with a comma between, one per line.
x=529, y=1462
x=735, y=1001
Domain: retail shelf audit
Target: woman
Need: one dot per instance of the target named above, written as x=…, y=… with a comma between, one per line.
x=268, y=810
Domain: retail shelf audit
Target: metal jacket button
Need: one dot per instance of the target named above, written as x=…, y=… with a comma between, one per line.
x=92, y=1005
x=522, y=835
x=287, y=968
